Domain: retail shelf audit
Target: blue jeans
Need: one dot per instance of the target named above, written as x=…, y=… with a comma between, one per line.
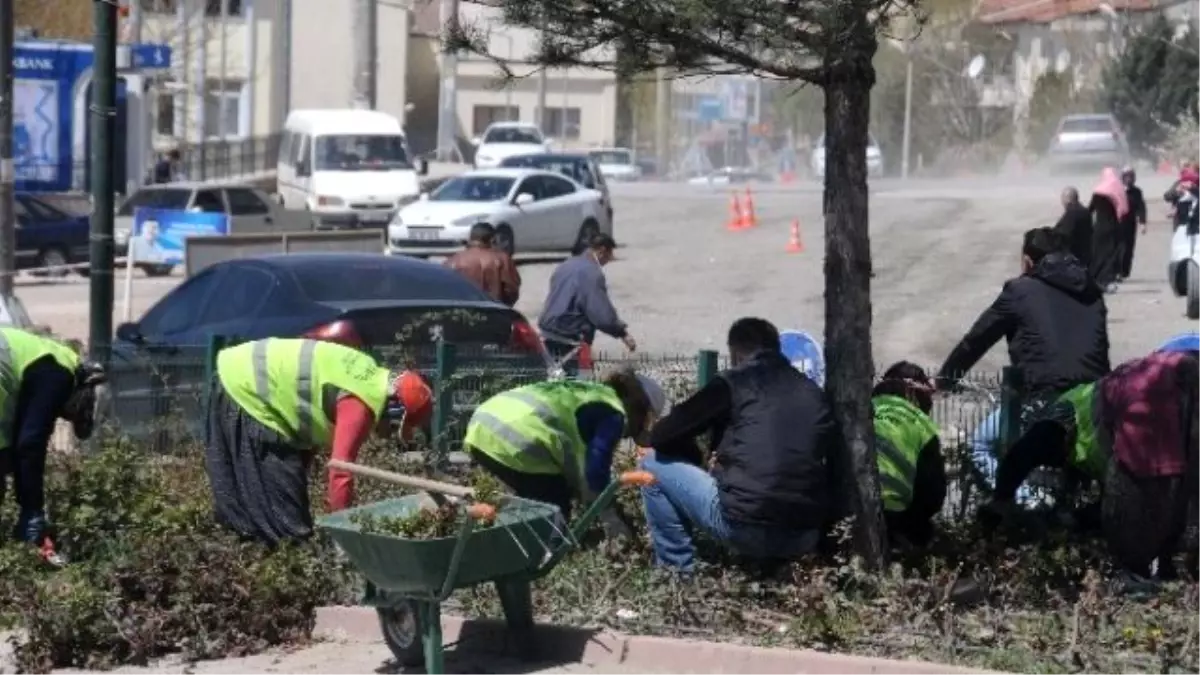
x=985, y=446
x=684, y=497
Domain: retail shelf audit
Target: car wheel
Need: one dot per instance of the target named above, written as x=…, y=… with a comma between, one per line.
x=157, y=270
x=505, y=240
x=53, y=262
x=589, y=229
x=1193, y=291
x=401, y=627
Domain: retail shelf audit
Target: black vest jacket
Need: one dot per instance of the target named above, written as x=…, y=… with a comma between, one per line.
x=771, y=466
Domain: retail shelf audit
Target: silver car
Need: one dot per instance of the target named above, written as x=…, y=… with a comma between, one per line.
x=1094, y=139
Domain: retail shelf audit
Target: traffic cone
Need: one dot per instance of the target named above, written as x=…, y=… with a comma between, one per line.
x=1165, y=168
x=795, y=243
x=751, y=218
x=737, y=220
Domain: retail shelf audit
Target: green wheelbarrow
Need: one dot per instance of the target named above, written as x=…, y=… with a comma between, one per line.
x=409, y=579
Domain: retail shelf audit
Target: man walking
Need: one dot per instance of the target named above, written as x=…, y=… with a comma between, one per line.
x=1129, y=224
x=1075, y=226
x=578, y=304
x=488, y=268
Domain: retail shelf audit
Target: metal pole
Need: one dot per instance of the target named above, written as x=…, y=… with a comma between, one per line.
x=222, y=68
x=135, y=22
x=287, y=60
x=363, y=96
x=539, y=114
x=906, y=146
x=251, y=66
x=508, y=86
x=447, y=127
x=183, y=109
x=661, y=109
x=103, y=112
x=202, y=89
x=8, y=216
x=562, y=114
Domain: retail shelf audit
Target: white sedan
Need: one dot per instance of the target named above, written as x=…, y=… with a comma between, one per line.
x=532, y=211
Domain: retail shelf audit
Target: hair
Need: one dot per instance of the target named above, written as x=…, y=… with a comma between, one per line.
x=1041, y=242
x=482, y=233
x=751, y=334
x=174, y=154
x=601, y=242
x=633, y=397
x=899, y=380
x=1071, y=193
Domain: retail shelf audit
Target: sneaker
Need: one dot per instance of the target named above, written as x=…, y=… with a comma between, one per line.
x=1111, y=288
x=51, y=556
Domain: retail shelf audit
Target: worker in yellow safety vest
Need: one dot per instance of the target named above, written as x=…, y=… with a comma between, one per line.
x=554, y=441
x=277, y=401
x=41, y=380
x=912, y=472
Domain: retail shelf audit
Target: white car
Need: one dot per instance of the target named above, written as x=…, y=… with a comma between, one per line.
x=874, y=158
x=532, y=211
x=616, y=163
x=506, y=139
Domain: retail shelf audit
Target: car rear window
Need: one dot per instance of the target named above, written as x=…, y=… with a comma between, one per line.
x=158, y=198
x=1083, y=125
x=330, y=281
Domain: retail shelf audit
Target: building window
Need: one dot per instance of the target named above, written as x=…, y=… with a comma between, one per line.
x=222, y=109
x=562, y=123
x=484, y=115
x=211, y=7
x=165, y=113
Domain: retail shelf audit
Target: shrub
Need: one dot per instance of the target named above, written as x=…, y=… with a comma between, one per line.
x=150, y=571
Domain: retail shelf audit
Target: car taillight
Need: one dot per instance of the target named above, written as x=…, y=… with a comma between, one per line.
x=525, y=338
x=341, y=331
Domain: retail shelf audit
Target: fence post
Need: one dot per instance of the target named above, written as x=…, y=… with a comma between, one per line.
x=1011, y=385
x=444, y=402
x=706, y=366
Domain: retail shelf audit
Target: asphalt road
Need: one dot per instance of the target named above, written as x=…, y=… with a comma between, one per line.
x=941, y=250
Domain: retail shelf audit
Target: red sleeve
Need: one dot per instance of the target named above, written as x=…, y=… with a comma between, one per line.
x=353, y=423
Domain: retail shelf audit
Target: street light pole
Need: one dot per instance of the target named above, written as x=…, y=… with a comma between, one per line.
x=103, y=113
x=906, y=146
x=8, y=177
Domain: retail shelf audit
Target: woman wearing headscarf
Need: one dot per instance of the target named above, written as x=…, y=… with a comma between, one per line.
x=1109, y=206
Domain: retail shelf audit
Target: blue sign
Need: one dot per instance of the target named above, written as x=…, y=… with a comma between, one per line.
x=159, y=234
x=1184, y=342
x=805, y=353
x=150, y=57
x=709, y=108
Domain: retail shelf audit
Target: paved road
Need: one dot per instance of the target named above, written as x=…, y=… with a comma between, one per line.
x=941, y=251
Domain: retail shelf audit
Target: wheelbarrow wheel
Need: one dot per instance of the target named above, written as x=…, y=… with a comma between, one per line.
x=401, y=626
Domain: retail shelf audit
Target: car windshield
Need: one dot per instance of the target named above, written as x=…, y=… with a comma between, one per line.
x=1087, y=125
x=356, y=152
x=572, y=168
x=613, y=157
x=473, y=189
x=368, y=280
x=513, y=135
x=159, y=198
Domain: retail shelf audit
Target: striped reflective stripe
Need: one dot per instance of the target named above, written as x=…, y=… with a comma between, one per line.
x=548, y=416
x=305, y=422
x=901, y=487
x=897, y=458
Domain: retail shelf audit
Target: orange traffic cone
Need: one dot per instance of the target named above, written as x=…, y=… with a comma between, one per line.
x=795, y=243
x=1165, y=168
x=737, y=221
x=751, y=218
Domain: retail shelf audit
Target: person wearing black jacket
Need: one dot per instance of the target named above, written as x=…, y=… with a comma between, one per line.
x=776, y=443
x=1075, y=226
x=1054, y=319
x=1129, y=224
x=912, y=472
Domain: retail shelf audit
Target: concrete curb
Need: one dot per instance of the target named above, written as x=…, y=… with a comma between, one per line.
x=601, y=648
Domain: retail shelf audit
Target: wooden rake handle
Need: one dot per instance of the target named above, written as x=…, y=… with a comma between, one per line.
x=415, y=482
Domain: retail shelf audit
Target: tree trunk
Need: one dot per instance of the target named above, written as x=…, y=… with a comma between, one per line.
x=849, y=367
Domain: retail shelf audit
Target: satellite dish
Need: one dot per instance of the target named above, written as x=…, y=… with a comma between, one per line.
x=1062, y=61
x=975, y=67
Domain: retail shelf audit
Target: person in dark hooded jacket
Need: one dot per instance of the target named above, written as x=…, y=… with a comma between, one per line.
x=1054, y=319
x=1075, y=226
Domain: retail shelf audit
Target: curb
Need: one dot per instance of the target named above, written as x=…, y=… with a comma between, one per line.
x=602, y=648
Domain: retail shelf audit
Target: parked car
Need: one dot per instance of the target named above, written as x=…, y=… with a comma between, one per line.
x=874, y=158
x=616, y=163
x=370, y=300
x=249, y=209
x=48, y=238
x=578, y=167
x=532, y=211
x=1092, y=140
x=505, y=139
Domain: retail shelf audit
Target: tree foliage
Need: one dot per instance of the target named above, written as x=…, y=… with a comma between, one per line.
x=1153, y=84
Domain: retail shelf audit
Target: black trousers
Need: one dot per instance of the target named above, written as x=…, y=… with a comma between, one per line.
x=1106, y=255
x=1128, y=244
x=916, y=527
x=45, y=389
x=259, y=480
x=548, y=488
x=558, y=350
x=1148, y=518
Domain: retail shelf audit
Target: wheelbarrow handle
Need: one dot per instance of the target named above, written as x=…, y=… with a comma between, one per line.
x=414, y=482
x=637, y=478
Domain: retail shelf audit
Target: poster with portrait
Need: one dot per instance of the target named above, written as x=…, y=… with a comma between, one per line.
x=35, y=130
x=159, y=234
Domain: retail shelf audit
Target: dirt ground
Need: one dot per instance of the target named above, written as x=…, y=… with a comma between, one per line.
x=941, y=250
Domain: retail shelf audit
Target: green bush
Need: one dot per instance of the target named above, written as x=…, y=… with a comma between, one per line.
x=150, y=571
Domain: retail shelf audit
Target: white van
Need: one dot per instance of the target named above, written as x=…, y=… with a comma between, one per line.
x=348, y=168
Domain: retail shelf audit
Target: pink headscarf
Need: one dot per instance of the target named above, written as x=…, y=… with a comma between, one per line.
x=1110, y=186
